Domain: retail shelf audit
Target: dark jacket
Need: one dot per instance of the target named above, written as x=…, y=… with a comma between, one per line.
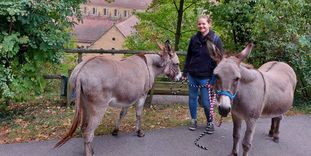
x=198, y=62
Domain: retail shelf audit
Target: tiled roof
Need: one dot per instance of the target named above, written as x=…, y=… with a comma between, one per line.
x=92, y=28
x=127, y=27
x=133, y=4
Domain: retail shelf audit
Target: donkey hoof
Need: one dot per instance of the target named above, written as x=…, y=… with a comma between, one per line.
x=233, y=154
x=115, y=132
x=140, y=133
x=276, y=139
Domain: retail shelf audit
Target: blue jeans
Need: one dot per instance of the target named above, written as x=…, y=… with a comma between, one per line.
x=193, y=84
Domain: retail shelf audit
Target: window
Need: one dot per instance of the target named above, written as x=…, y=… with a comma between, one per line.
x=85, y=10
x=113, y=39
x=125, y=13
x=105, y=11
x=115, y=12
x=94, y=11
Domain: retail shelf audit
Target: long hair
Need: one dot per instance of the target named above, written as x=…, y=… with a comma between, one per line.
x=213, y=51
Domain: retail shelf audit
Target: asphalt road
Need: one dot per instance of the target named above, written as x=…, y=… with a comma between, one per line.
x=295, y=140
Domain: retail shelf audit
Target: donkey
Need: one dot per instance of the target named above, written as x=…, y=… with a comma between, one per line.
x=251, y=93
x=100, y=82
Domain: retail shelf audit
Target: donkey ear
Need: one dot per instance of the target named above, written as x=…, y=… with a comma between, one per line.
x=161, y=47
x=168, y=48
x=167, y=45
x=214, y=52
x=218, y=56
x=243, y=54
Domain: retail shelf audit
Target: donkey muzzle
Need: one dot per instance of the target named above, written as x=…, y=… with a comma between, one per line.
x=223, y=111
x=178, y=77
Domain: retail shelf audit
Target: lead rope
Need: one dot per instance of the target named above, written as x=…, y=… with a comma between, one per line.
x=179, y=88
x=212, y=98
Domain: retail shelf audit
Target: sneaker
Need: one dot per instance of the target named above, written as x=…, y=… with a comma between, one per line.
x=210, y=128
x=193, y=125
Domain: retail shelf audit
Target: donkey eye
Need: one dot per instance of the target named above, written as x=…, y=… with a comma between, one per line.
x=176, y=64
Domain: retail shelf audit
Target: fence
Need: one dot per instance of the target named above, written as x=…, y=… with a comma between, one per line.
x=160, y=87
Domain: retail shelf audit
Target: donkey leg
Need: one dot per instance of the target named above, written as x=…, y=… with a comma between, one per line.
x=276, y=131
x=248, y=136
x=272, y=127
x=237, y=122
x=139, y=110
x=121, y=117
x=93, y=118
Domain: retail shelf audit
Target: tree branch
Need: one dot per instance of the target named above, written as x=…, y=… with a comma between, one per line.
x=10, y=27
x=175, y=5
x=163, y=27
x=189, y=5
x=190, y=30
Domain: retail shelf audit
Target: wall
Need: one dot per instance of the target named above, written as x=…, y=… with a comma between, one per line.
x=106, y=41
x=110, y=11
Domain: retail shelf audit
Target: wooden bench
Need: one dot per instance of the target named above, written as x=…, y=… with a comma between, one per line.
x=166, y=88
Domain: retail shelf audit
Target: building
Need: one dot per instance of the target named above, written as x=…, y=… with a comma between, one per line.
x=115, y=36
x=118, y=9
x=96, y=33
x=106, y=25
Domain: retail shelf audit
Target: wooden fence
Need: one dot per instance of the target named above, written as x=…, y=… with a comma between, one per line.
x=160, y=87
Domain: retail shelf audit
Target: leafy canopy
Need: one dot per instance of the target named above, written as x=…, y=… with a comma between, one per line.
x=33, y=33
x=159, y=23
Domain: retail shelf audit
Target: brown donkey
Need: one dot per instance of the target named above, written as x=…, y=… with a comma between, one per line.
x=251, y=93
x=99, y=83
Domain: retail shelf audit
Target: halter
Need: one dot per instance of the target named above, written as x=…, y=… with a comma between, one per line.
x=227, y=93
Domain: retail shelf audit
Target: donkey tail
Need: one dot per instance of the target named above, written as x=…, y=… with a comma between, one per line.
x=77, y=116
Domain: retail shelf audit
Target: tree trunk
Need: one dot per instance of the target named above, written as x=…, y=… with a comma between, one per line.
x=179, y=21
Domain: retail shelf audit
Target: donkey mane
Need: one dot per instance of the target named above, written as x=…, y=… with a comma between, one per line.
x=233, y=56
x=246, y=65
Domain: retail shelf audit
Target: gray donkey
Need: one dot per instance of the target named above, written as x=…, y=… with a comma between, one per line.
x=99, y=83
x=251, y=93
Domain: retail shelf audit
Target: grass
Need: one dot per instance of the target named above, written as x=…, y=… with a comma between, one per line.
x=45, y=119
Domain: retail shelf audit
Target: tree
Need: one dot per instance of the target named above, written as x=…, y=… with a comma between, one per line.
x=159, y=22
x=33, y=33
x=281, y=30
x=234, y=18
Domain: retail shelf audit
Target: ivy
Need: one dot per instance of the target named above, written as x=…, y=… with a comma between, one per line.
x=33, y=34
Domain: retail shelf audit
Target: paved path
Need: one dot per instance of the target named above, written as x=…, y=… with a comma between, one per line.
x=295, y=140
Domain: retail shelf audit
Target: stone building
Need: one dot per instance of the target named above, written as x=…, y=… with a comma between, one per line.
x=106, y=25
